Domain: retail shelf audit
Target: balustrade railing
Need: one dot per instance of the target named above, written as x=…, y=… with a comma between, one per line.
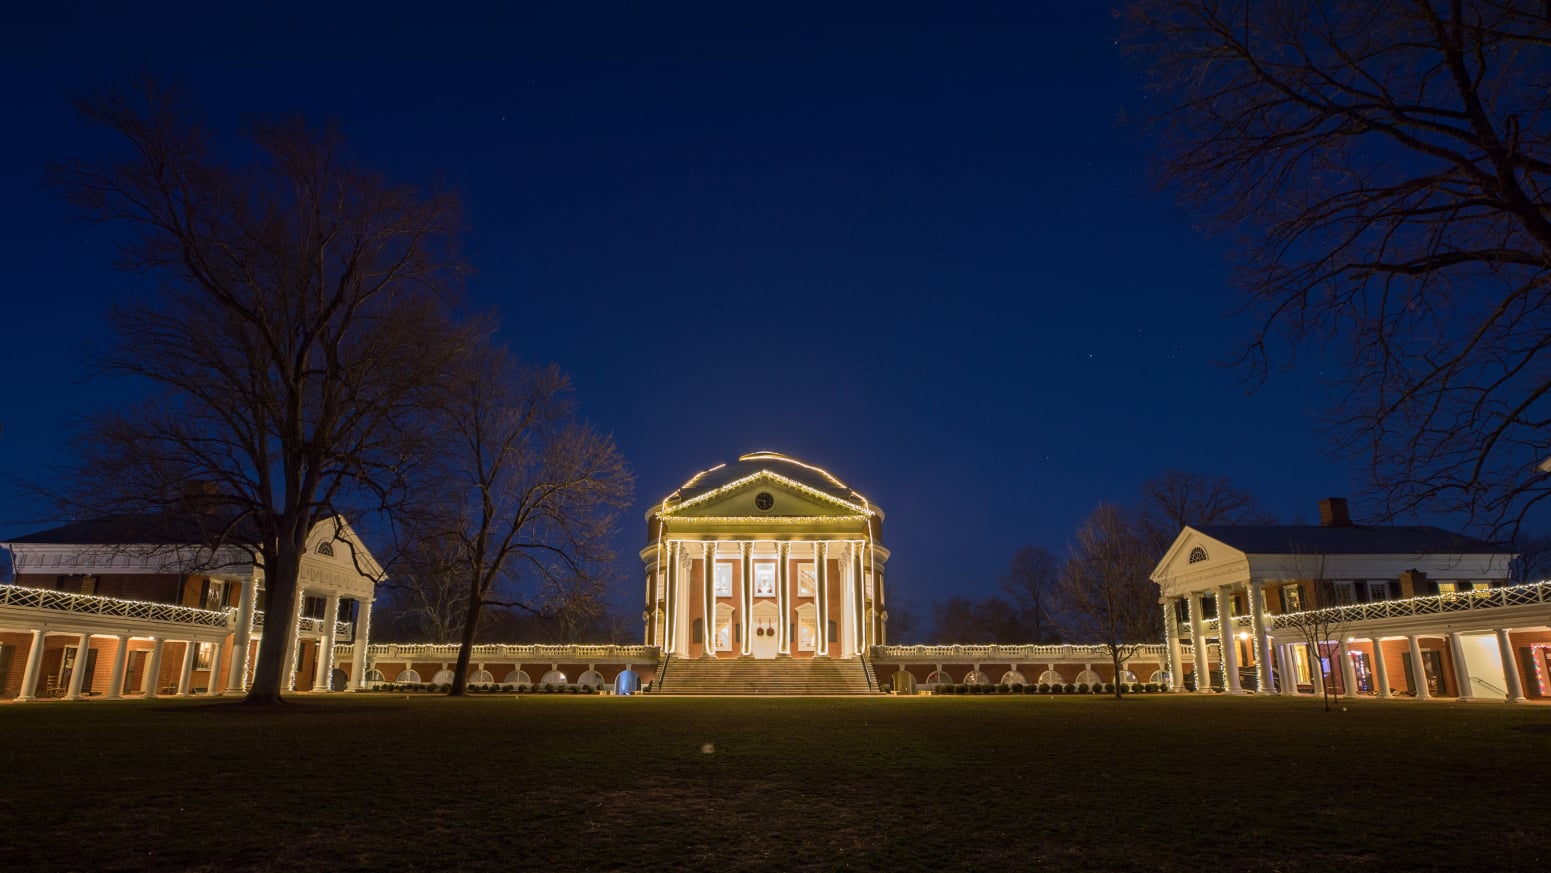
x=1433, y=604
x=342, y=629
x=91, y=604
x=990, y=652
x=495, y=651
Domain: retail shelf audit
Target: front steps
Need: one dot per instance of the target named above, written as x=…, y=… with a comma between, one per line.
x=783, y=676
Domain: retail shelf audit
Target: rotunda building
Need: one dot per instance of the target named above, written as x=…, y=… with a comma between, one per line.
x=765, y=558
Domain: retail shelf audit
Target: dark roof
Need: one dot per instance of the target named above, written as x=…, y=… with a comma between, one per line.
x=158, y=530
x=782, y=465
x=1344, y=540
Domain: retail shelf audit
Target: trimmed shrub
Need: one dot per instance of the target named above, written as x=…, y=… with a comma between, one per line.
x=549, y=688
x=1016, y=688
x=1057, y=688
x=1070, y=688
x=1136, y=687
x=1109, y=688
x=1082, y=688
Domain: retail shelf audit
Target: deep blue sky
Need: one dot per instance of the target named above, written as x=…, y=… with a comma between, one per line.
x=909, y=243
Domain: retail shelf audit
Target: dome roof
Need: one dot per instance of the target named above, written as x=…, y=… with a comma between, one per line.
x=747, y=465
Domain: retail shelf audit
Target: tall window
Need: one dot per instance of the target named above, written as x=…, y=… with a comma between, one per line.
x=1343, y=592
x=1292, y=598
x=724, y=580
x=1377, y=590
x=867, y=585
x=215, y=594
x=660, y=584
x=202, y=656
x=806, y=584
x=764, y=580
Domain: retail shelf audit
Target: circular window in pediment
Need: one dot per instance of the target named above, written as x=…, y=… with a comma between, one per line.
x=763, y=500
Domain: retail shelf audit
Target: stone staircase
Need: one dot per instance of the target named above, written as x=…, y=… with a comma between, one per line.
x=784, y=676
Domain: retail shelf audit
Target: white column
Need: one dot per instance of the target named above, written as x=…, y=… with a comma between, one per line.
x=237, y=678
x=1380, y=671
x=783, y=599
x=213, y=684
x=746, y=598
x=293, y=639
x=1418, y=671
x=1286, y=664
x=1510, y=667
x=670, y=602
x=153, y=667
x=34, y=666
x=1348, y=673
x=363, y=630
x=325, y=666
x=78, y=672
x=708, y=608
x=1176, y=651
x=186, y=675
x=116, y=682
x=1226, y=640
x=821, y=596
x=858, y=603
x=1201, y=659
x=1461, y=669
x=1257, y=604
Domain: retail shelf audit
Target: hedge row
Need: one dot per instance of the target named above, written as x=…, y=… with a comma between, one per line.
x=1050, y=688
x=535, y=688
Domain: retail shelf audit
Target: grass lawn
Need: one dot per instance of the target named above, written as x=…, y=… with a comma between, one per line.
x=369, y=782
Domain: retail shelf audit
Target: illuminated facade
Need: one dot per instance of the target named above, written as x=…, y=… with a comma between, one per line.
x=97, y=610
x=765, y=558
x=1394, y=611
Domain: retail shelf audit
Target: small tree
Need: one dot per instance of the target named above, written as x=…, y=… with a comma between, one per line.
x=1106, y=590
x=1033, y=581
x=1319, y=621
x=527, y=498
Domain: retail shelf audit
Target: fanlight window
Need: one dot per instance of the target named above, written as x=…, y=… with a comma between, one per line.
x=1197, y=555
x=1013, y=677
x=481, y=677
x=590, y=679
x=938, y=677
x=517, y=677
x=407, y=676
x=326, y=549
x=553, y=677
x=1051, y=677
x=975, y=677
x=442, y=677
x=1088, y=677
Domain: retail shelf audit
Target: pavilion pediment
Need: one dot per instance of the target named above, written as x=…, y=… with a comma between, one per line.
x=766, y=495
x=1196, y=561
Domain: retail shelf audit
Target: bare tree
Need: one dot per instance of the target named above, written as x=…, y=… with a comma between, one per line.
x=1386, y=168
x=1105, y=586
x=299, y=314
x=1320, y=619
x=1533, y=563
x=1175, y=498
x=528, y=499
x=1033, y=581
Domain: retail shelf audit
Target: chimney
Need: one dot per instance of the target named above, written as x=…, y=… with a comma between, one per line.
x=1332, y=513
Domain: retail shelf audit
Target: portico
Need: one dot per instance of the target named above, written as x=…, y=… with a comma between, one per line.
x=765, y=558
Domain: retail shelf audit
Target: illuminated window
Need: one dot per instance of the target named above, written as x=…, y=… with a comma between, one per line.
x=867, y=585
x=764, y=580
x=661, y=584
x=1051, y=677
x=553, y=677
x=215, y=594
x=1013, y=677
x=202, y=656
x=976, y=677
x=407, y=676
x=1292, y=598
x=806, y=584
x=723, y=580
x=517, y=677
x=937, y=678
x=1448, y=587
x=807, y=628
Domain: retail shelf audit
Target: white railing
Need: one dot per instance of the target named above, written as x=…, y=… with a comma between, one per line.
x=91, y=604
x=1005, y=653
x=1436, y=604
x=342, y=629
x=1433, y=604
x=502, y=651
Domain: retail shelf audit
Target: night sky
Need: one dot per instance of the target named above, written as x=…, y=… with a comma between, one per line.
x=912, y=244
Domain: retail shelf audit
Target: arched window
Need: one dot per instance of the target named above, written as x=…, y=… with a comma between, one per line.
x=442, y=677
x=590, y=679
x=374, y=676
x=937, y=678
x=904, y=682
x=481, y=677
x=975, y=677
x=1014, y=677
x=1089, y=677
x=407, y=676
x=1051, y=677
x=326, y=549
x=1197, y=555
x=517, y=677
x=1160, y=677
x=627, y=682
x=1127, y=676
x=553, y=677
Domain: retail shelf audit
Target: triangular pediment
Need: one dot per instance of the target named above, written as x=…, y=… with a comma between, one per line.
x=1196, y=561
x=766, y=495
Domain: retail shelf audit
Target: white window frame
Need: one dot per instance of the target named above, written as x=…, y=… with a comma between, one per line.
x=722, y=579
x=807, y=581
x=765, y=579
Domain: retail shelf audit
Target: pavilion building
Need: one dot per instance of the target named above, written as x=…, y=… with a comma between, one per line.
x=765, y=558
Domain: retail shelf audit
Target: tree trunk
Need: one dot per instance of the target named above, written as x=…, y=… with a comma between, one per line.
x=466, y=647
x=1115, y=656
x=271, y=676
